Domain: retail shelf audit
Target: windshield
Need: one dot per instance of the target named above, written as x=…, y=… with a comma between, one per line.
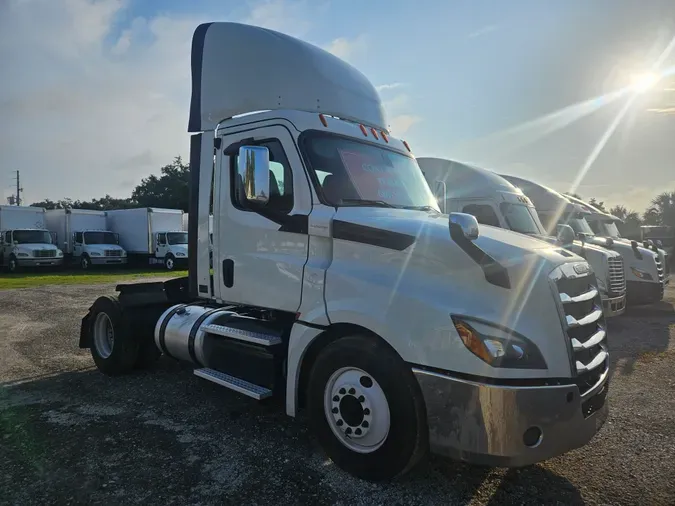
x=578, y=224
x=100, y=238
x=355, y=173
x=32, y=236
x=519, y=218
x=611, y=229
x=176, y=237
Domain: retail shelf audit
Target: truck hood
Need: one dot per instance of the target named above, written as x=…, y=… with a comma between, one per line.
x=179, y=248
x=100, y=248
x=29, y=247
x=432, y=229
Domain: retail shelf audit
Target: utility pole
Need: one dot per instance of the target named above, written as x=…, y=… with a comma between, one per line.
x=17, y=199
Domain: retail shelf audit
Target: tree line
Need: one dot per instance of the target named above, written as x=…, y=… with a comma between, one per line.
x=171, y=190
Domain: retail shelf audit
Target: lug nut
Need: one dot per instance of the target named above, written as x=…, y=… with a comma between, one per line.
x=362, y=398
x=366, y=411
x=358, y=432
x=342, y=391
x=340, y=423
x=352, y=391
x=336, y=399
x=335, y=410
x=348, y=431
x=365, y=424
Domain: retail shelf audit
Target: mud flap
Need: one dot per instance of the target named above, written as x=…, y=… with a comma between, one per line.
x=84, y=331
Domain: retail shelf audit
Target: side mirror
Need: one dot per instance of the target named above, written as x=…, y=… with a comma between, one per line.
x=15, y=243
x=565, y=235
x=254, y=171
x=464, y=224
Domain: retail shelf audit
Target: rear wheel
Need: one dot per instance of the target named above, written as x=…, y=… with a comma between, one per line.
x=366, y=409
x=113, y=345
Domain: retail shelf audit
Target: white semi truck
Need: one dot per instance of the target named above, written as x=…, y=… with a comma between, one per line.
x=642, y=267
x=151, y=235
x=494, y=201
x=85, y=237
x=398, y=329
x=25, y=241
x=604, y=226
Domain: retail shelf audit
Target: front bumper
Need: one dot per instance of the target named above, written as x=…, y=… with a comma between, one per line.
x=613, y=306
x=644, y=292
x=108, y=260
x=487, y=424
x=39, y=262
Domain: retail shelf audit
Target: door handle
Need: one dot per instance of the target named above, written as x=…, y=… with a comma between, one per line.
x=228, y=272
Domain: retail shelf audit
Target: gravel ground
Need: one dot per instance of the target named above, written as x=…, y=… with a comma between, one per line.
x=70, y=435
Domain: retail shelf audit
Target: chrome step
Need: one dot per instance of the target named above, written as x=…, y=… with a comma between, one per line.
x=242, y=335
x=236, y=384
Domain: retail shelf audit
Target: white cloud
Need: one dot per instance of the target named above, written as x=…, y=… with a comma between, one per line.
x=387, y=87
x=348, y=49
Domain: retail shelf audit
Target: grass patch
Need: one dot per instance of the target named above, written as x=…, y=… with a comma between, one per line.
x=36, y=277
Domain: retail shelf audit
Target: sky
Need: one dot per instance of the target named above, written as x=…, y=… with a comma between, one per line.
x=94, y=94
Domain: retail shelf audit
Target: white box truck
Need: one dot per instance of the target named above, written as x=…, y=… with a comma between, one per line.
x=396, y=328
x=84, y=236
x=642, y=267
x=465, y=188
x=151, y=235
x=25, y=240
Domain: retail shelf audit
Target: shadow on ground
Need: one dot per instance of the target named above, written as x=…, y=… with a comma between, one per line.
x=166, y=437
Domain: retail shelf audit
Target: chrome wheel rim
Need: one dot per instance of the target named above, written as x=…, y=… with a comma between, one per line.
x=104, y=335
x=357, y=410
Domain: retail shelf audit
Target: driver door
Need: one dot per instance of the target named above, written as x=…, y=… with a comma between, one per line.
x=78, y=244
x=162, y=245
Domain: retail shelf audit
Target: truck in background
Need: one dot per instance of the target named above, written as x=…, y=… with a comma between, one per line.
x=355, y=299
x=604, y=225
x=85, y=237
x=151, y=235
x=25, y=241
x=642, y=266
x=494, y=201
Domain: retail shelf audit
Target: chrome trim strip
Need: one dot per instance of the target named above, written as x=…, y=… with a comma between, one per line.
x=592, y=317
x=596, y=338
x=566, y=299
x=597, y=361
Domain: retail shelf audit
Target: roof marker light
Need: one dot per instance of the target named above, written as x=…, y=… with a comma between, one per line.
x=374, y=132
x=405, y=143
x=363, y=129
x=323, y=120
x=385, y=137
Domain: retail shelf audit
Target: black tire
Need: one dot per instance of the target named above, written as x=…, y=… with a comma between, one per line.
x=85, y=263
x=169, y=262
x=124, y=349
x=148, y=355
x=407, y=441
x=13, y=264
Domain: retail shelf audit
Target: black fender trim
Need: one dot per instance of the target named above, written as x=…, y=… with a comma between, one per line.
x=363, y=234
x=495, y=273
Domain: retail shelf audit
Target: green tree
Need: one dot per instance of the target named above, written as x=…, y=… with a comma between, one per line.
x=597, y=204
x=170, y=190
x=662, y=209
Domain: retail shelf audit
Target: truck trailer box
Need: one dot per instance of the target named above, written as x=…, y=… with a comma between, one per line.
x=136, y=227
x=65, y=222
x=15, y=217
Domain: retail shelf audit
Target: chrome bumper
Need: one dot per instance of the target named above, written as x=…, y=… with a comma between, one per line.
x=490, y=425
x=108, y=260
x=613, y=306
x=39, y=262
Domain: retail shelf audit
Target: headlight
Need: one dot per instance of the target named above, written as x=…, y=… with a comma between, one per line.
x=22, y=255
x=95, y=254
x=59, y=253
x=180, y=254
x=641, y=274
x=498, y=346
x=124, y=253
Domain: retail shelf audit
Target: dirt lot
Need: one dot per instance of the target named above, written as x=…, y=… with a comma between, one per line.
x=69, y=435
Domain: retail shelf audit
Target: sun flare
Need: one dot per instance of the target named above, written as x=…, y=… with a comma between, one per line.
x=644, y=81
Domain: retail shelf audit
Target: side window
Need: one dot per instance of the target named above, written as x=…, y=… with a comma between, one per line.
x=161, y=239
x=78, y=237
x=281, y=180
x=484, y=214
x=8, y=237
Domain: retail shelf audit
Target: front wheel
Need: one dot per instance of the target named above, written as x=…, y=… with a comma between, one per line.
x=85, y=263
x=366, y=409
x=13, y=264
x=169, y=262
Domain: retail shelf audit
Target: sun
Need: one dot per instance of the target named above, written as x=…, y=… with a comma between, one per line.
x=644, y=81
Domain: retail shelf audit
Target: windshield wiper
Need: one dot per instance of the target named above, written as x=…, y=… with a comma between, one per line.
x=420, y=208
x=366, y=202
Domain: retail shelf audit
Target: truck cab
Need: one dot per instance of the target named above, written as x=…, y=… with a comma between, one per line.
x=465, y=188
x=25, y=241
x=172, y=248
x=604, y=225
x=642, y=267
x=340, y=289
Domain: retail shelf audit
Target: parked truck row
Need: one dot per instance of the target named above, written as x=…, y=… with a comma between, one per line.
x=333, y=283
x=35, y=237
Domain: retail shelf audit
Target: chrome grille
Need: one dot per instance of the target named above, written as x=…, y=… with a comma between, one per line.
x=44, y=253
x=659, y=268
x=112, y=253
x=585, y=326
x=617, y=277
